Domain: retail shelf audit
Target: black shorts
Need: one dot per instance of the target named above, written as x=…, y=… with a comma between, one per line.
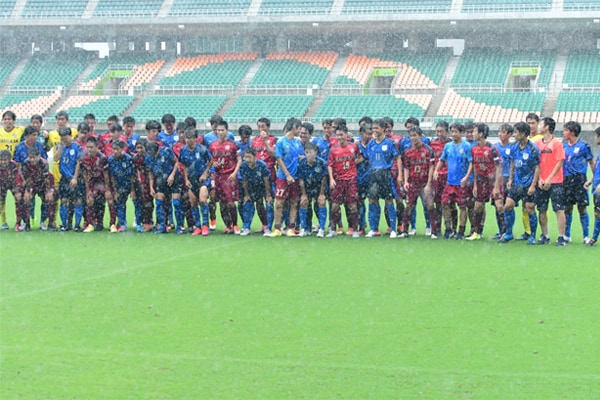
x=517, y=193
x=65, y=191
x=380, y=185
x=575, y=193
x=556, y=194
x=363, y=192
x=121, y=195
x=597, y=203
x=197, y=185
x=161, y=185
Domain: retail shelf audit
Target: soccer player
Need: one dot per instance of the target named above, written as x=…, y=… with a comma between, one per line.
x=312, y=180
x=382, y=154
x=152, y=129
x=343, y=186
x=323, y=142
x=595, y=184
x=504, y=146
x=287, y=152
x=226, y=162
x=10, y=135
x=144, y=203
x=197, y=161
x=122, y=181
x=457, y=156
x=306, y=132
x=10, y=180
x=115, y=133
x=37, y=180
x=168, y=135
x=94, y=168
x=439, y=180
x=550, y=184
x=264, y=144
x=29, y=136
x=70, y=187
x=399, y=193
x=256, y=188
x=90, y=119
x=363, y=169
x=578, y=154
x=84, y=133
x=487, y=182
x=37, y=121
x=418, y=162
x=524, y=174
x=128, y=131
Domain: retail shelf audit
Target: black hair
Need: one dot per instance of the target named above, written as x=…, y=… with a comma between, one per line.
x=116, y=127
x=381, y=122
x=9, y=114
x=250, y=150
x=90, y=116
x=30, y=130
x=223, y=123
x=292, y=123
x=141, y=142
x=365, y=127
x=34, y=151
x=342, y=127
x=458, y=126
x=443, y=124
x=5, y=154
x=152, y=147
x=113, y=118
x=469, y=125
x=245, y=130
x=168, y=118
x=483, y=129
x=412, y=120
x=366, y=120
x=388, y=121
x=36, y=117
x=533, y=116
x=92, y=140
x=340, y=121
x=311, y=146
x=62, y=114
x=215, y=119
x=416, y=129
x=65, y=132
x=119, y=143
x=153, y=124
x=506, y=127
x=326, y=121
x=574, y=127
x=550, y=123
x=265, y=120
x=190, y=122
x=190, y=132
x=309, y=127
x=522, y=127
x=128, y=120
x=83, y=127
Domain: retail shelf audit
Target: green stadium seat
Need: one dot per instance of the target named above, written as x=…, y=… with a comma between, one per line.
x=209, y=7
x=6, y=8
x=484, y=6
x=53, y=8
x=396, y=7
x=355, y=107
x=289, y=7
x=127, y=9
x=53, y=70
x=199, y=107
x=247, y=109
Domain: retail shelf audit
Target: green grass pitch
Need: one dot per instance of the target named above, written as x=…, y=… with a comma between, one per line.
x=141, y=316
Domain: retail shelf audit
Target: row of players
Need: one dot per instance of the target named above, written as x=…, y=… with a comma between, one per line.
x=443, y=173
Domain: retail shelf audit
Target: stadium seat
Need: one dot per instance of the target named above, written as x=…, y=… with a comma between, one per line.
x=209, y=7
x=396, y=7
x=355, y=107
x=59, y=69
x=289, y=7
x=199, y=107
x=101, y=106
x=25, y=105
x=247, y=109
x=6, y=10
x=127, y=9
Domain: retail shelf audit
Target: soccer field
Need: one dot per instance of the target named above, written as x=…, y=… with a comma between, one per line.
x=141, y=316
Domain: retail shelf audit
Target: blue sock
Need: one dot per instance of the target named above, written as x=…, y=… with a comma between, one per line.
x=361, y=216
x=303, y=212
x=160, y=214
x=413, y=220
x=392, y=214
x=64, y=214
x=509, y=220
x=322, y=217
x=79, y=215
x=170, y=213
x=585, y=224
x=137, y=207
x=569, y=219
x=596, y=229
x=270, y=215
x=204, y=212
x=121, y=215
x=178, y=212
x=249, y=210
x=374, y=214
x=533, y=223
x=426, y=215
x=196, y=215
x=498, y=222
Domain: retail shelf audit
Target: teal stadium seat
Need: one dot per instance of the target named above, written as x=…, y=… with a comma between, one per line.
x=199, y=107
x=396, y=7
x=579, y=5
x=247, y=109
x=486, y=6
x=583, y=69
x=102, y=108
x=291, y=7
x=11, y=99
x=127, y=9
x=523, y=101
x=6, y=8
x=229, y=72
x=355, y=107
x=7, y=64
x=53, y=8
x=209, y=7
x=60, y=69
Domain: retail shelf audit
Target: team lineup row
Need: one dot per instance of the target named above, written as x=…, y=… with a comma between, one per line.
x=288, y=179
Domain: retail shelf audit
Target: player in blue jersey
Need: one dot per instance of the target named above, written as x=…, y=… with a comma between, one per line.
x=578, y=155
x=524, y=175
x=197, y=161
x=128, y=131
x=122, y=181
x=382, y=154
x=287, y=152
x=169, y=135
x=595, y=184
x=29, y=140
x=70, y=189
x=256, y=190
x=504, y=146
x=165, y=180
x=323, y=142
x=312, y=176
x=363, y=168
x=457, y=156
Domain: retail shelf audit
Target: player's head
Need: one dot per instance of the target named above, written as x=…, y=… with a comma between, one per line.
x=116, y=130
x=168, y=121
x=245, y=132
x=547, y=124
x=37, y=121
x=389, y=126
x=66, y=136
x=306, y=131
x=214, y=121
x=366, y=132
x=83, y=128
x=62, y=118
x=292, y=125
x=140, y=147
x=128, y=125
x=571, y=129
x=190, y=136
x=222, y=129
x=8, y=120
x=91, y=145
x=505, y=131
x=250, y=156
x=152, y=148
x=456, y=131
x=522, y=131
x=441, y=129
x=337, y=122
x=311, y=150
x=5, y=157
x=118, y=147
x=533, y=121
x=263, y=124
x=481, y=131
x=190, y=122
x=89, y=118
x=152, y=129
x=415, y=134
x=34, y=154
x=110, y=121
x=341, y=133
x=326, y=124
x=597, y=131
x=30, y=135
x=365, y=120
x=379, y=126
x=410, y=122
x=469, y=129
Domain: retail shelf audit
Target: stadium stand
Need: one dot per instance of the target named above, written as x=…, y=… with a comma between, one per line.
x=583, y=107
x=60, y=69
x=355, y=107
x=290, y=7
x=142, y=75
x=101, y=106
x=209, y=7
x=127, y=9
x=25, y=105
x=6, y=8
x=278, y=108
x=578, y=5
x=302, y=69
x=7, y=64
x=53, y=8
x=485, y=6
x=226, y=69
x=583, y=69
x=396, y=7
x=199, y=107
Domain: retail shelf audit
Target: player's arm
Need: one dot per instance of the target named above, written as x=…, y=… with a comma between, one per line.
x=245, y=187
x=592, y=165
x=268, y=148
x=108, y=192
x=171, y=177
x=267, y=182
x=534, y=182
x=151, y=182
x=238, y=164
x=331, y=180
x=186, y=176
x=289, y=178
x=400, y=174
x=206, y=169
x=464, y=180
x=406, y=173
x=73, y=182
x=437, y=168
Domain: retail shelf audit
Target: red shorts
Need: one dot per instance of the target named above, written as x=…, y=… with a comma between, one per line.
x=485, y=187
x=438, y=188
x=225, y=190
x=283, y=191
x=344, y=192
x=456, y=194
x=414, y=191
x=467, y=196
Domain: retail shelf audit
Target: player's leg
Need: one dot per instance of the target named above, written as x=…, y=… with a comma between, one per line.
x=203, y=196
x=541, y=199
x=160, y=214
x=596, y=231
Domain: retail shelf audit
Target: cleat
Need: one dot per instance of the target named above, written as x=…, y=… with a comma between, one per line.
x=98, y=227
x=180, y=230
x=393, y=235
x=160, y=229
x=506, y=239
x=197, y=231
x=531, y=240
x=428, y=232
x=122, y=228
x=77, y=229
x=370, y=234
x=89, y=228
x=267, y=233
x=355, y=234
x=213, y=224
x=332, y=234
x=275, y=233
x=349, y=232
x=245, y=232
x=148, y=227
x=340, y=231
x=43, y=226
x=205, y=230
x=51, y=228
x=227, y=231
x=586, y=240
x=569, y=240
x=403, y=235
x=388, y=230
x=544, y=240
x=474, y=236
x=113, y=228
x=497, y=236
x=460, y=236
x=561, y=241
x=27, y=227
x=4, y=227
x=524, y=236
x=591, y=243
x=290, y=233
x=433, y=235
x=302, y=233
x=19, y=228
x=262, y=229
x=139, y=228
x=449, y=234
x=412, y=232
x=320, y=233
x=236, y=230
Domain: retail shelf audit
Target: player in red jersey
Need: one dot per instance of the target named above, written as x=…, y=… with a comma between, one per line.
x=144, y=203
x=437, y=145
x=487, y=182
x=343, y=181
x=264, y=144
x=226, y=162
x=11, y=179
x=418, y=163
x=115, y=132
x=399, y=194
x=94, y=168
x=37, y=180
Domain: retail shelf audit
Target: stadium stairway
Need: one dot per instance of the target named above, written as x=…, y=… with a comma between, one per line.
x=83, y=77
x=560, y=65
x=336, y=8
x=10, y=80
x=89, y=9
x=18, y=9
x=438, y=97
x=241, y=88
x=253, y=8
x=164, y=9
x=321, y=95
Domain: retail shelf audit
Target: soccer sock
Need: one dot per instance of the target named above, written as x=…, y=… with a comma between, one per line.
x=204, y=210
x=596, y=229
x=434, y=222
x=427, y=220
x=374, y=214
x=196, y=216
x=361, y=216
x=303, y=212
x=353, y=220
x=454, y=218
x=322, y=217
x=212, y=209
x=392, y=214
x=461, y=229
x=64, y=214
x=569, y=221
x=477, y=222
x=585, y=224
x=400, y=215
x=386, y=215
x=3, y=211
x=533, y=223
x=112, y=212
x=498, y=221
x=413, y=220
x=408, y=217
x=270, y=215
x=137, y=207
x=509, y=220
x=525, y=218
x=179, y=217
x=43, y=211
x=160, y=214
x=249, y=210
x=233, y=215
x=50, y=208
x=79, y=215
x=169, y=211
